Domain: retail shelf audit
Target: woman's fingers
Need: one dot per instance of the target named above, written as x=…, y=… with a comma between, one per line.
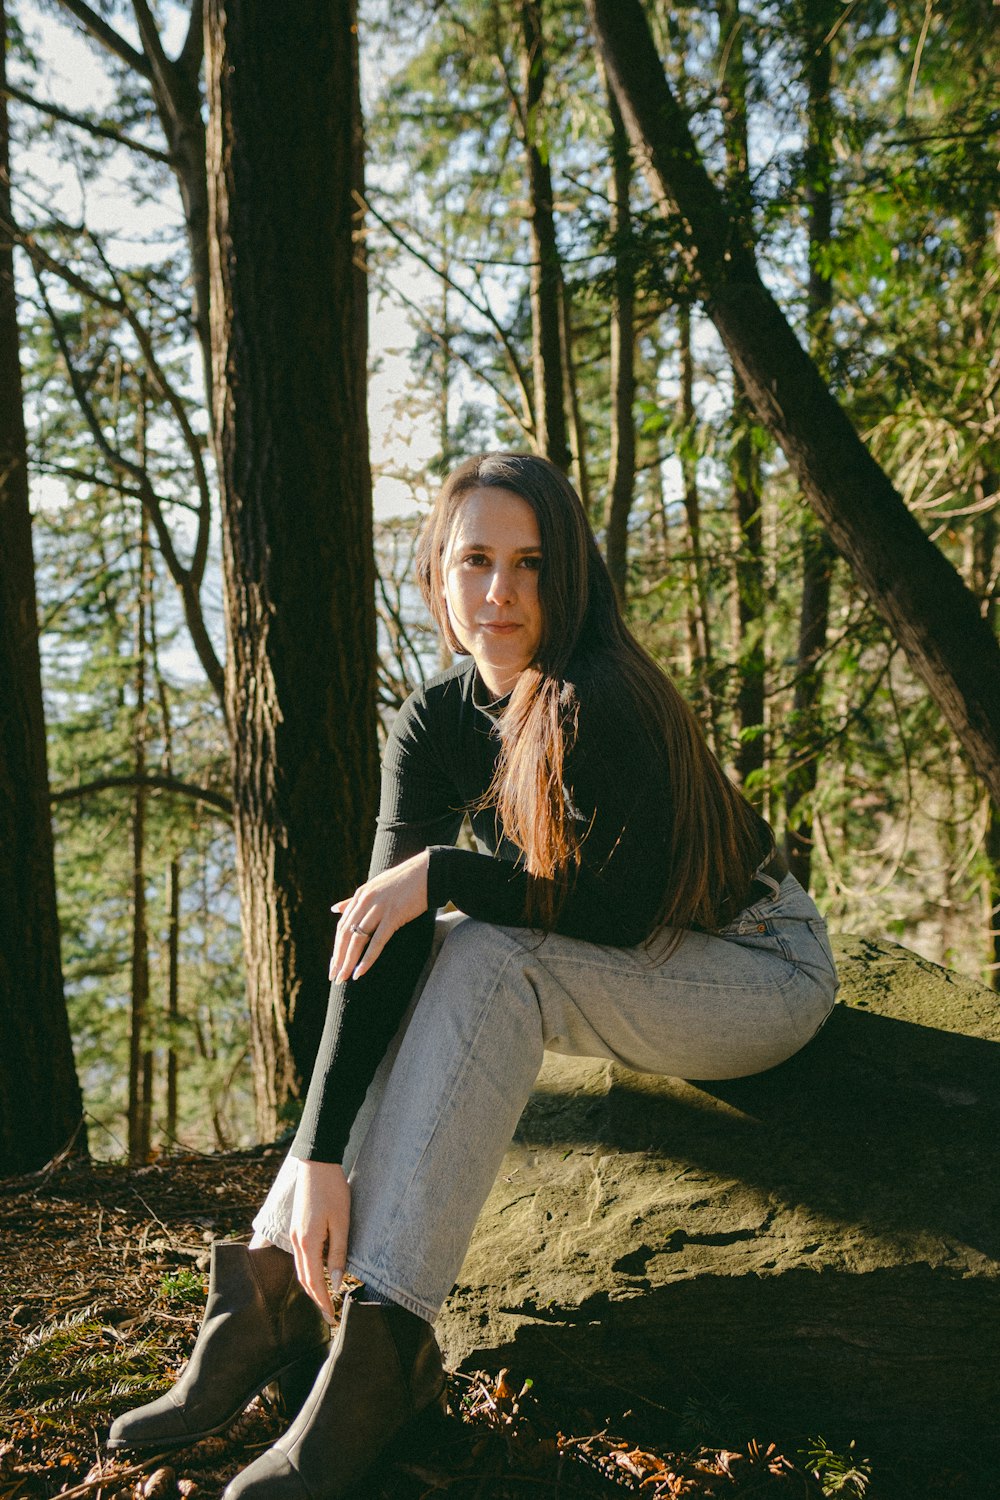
x=321, y=1216
x=311, y=1271
x=355, y=933
x=346, y=938
x=377, y=909
x=381, y=935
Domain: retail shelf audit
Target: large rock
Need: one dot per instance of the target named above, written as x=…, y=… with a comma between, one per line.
x=812, y=1251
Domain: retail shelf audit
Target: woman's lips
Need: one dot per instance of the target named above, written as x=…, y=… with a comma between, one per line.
x=500, y=627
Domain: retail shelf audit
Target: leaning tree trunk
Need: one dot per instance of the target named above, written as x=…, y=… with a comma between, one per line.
x=41, y=1110
x=289, y=345
x=924, y=602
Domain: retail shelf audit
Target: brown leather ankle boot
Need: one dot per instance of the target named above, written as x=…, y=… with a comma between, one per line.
x=259, y=1326
x=383, y=1371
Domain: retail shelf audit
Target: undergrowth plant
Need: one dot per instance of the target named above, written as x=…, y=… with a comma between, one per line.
x=844, y=1475
x=82, y=1364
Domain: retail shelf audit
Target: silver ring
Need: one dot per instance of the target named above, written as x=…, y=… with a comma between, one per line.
x=361, y=931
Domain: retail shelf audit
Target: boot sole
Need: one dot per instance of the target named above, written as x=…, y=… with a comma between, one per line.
x=295, y=1371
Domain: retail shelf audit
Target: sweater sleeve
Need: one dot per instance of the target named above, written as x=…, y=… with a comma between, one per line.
x=618, y=790
x=419, y=806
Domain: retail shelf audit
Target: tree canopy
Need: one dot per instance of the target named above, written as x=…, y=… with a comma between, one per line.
x=734, y=267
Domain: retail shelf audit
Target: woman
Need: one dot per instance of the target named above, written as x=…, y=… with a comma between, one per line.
x=625, y=902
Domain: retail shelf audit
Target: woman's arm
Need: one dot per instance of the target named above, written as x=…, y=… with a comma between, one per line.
x=419, y=806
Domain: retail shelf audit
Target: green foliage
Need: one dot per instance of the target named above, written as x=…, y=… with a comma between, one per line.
x=183, y=1286
x=841, y=1474
x=911, y=352
x=79, y=1362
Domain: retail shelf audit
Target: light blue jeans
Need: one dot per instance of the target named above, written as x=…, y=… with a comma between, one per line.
x=442, y=1109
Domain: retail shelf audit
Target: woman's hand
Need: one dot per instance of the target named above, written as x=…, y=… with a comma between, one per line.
x=321, y=1218
x=376, y=910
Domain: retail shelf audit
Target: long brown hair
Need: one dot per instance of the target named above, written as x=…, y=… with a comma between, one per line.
x=716, y=840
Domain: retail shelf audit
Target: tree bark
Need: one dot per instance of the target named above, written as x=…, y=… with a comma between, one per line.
x=928, y=609
x=621, y=475
x=581, y=478
x=140, y=1069
x=699, y=624
x=41, y=1110
x=749, y=593
x=289, y=331
x=551, y=438
x=173, y=994
x=818, y=555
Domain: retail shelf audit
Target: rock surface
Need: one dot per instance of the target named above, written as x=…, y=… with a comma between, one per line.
x=812, y=1251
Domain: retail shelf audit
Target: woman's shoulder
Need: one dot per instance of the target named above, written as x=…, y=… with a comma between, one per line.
x=610, y=711
x=435, y=701
x=598, y=682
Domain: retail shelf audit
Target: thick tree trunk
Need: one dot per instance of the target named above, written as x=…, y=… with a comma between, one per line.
x=41, y=1110
x=982, y=574
x=551, y=437
x=621, y=475
x=744, y=469
x=920, y=595
x=748, y=535
x=289, y=345
x=818, y=554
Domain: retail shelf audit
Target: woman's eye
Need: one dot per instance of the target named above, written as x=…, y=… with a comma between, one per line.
x=534, y=563
x=477, y=560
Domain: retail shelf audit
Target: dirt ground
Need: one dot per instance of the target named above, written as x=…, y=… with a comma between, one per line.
x=103, y=1271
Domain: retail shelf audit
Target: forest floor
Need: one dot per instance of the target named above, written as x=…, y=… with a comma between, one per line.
x=103, y=1271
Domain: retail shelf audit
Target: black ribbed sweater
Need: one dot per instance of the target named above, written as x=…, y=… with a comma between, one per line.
x=438, y=762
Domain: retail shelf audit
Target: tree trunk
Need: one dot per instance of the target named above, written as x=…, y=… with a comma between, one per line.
x=748, y=534
x=41, y=1110
x=289, y=333
x=621, y=475
x=551, y=438
x=744, y=468
x=928, y=609
x=699, y=628
x=173, y=993
x=580, y=476
x=140, y=1079
x=818, y=555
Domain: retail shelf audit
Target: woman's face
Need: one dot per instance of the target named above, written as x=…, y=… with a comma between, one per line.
x=491, y=567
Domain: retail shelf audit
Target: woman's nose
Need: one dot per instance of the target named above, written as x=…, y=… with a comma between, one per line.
x=502, y=586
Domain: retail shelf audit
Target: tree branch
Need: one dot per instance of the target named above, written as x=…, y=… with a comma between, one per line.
x=190, y=57
x=105, y=132
x=107, y=36
x=196, y=569
x=484, y=310
x=156, y=781
x=463, y=359
x=161, y=70
x=181, y=575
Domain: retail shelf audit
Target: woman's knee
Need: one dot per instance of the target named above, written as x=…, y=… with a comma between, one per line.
x=481, y=971
x=473, y=942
